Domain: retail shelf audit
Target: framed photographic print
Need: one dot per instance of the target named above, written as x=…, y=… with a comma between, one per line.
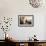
x=25, y=20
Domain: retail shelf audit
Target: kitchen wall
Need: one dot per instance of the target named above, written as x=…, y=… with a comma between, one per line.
x=13, y=8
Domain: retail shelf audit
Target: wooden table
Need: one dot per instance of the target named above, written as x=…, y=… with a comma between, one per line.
x=28, y=43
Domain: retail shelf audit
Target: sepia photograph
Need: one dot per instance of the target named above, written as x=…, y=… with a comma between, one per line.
x=26, y=20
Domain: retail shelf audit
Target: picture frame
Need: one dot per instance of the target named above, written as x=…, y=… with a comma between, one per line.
x=25, y=20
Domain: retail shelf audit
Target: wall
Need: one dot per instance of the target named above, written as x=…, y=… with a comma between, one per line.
x=13, y=8
x=45, y=29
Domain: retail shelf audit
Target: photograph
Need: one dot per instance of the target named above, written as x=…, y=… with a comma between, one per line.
x=26, y=20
